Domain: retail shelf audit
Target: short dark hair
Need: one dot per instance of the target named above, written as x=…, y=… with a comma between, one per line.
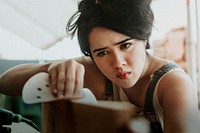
x=133, y=18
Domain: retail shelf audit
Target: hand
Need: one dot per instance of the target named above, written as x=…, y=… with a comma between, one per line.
x=66, y=78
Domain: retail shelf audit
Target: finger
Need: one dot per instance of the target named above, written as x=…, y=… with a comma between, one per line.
x=53, y=82
x=69, y=81
x=79, y=81
x=61, y=84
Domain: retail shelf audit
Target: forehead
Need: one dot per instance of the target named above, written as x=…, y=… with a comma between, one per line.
x=100, y=35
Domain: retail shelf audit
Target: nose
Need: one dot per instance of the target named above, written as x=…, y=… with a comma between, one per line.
x=118, y=60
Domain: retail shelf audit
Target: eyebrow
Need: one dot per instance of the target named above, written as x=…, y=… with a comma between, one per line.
x=121, y=42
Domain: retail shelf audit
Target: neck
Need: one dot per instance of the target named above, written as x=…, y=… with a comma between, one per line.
x=152, y=63
x=137, y=93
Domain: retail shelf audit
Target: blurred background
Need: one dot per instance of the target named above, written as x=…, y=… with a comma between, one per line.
x=36, y=29
x=33, y=31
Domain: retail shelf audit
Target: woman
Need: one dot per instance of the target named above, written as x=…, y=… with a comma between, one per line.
x=114, y=34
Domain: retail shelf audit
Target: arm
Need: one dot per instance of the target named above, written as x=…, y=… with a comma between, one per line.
x=13, y=80
x=67, y=77
x=180, y=104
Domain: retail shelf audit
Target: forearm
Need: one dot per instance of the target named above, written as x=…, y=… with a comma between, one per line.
x=13, y=80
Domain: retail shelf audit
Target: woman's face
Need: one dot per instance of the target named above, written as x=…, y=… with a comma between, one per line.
x=119, y=57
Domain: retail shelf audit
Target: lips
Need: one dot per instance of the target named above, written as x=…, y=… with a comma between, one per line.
x=123, y=75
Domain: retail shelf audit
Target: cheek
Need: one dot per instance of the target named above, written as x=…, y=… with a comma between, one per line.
x=103, y=65
x=137, y=59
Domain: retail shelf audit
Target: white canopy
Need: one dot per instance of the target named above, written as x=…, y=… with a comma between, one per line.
x=40, y=22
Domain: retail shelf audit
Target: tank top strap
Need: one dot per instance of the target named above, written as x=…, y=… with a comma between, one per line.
x=156, y=76
x=108, y=89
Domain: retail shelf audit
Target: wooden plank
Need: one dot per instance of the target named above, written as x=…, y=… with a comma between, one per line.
x=71, y=117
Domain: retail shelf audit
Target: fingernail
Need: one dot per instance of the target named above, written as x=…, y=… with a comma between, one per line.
x=60, y=95
x=55, y=91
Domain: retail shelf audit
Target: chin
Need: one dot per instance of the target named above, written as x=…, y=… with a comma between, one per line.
x=127, y=85
x=124, y=86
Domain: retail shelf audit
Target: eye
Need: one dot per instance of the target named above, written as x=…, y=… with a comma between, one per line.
x=125, y=45
x=102, y=53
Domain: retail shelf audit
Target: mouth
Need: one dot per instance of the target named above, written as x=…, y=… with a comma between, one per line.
x=123, y=75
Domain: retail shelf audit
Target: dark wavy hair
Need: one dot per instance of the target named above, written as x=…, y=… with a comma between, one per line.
x=133, y=18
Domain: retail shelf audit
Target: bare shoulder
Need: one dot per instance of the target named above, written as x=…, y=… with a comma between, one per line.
x=94, y=79
x=90, y=67
x=179, y=101
x=176, y=84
